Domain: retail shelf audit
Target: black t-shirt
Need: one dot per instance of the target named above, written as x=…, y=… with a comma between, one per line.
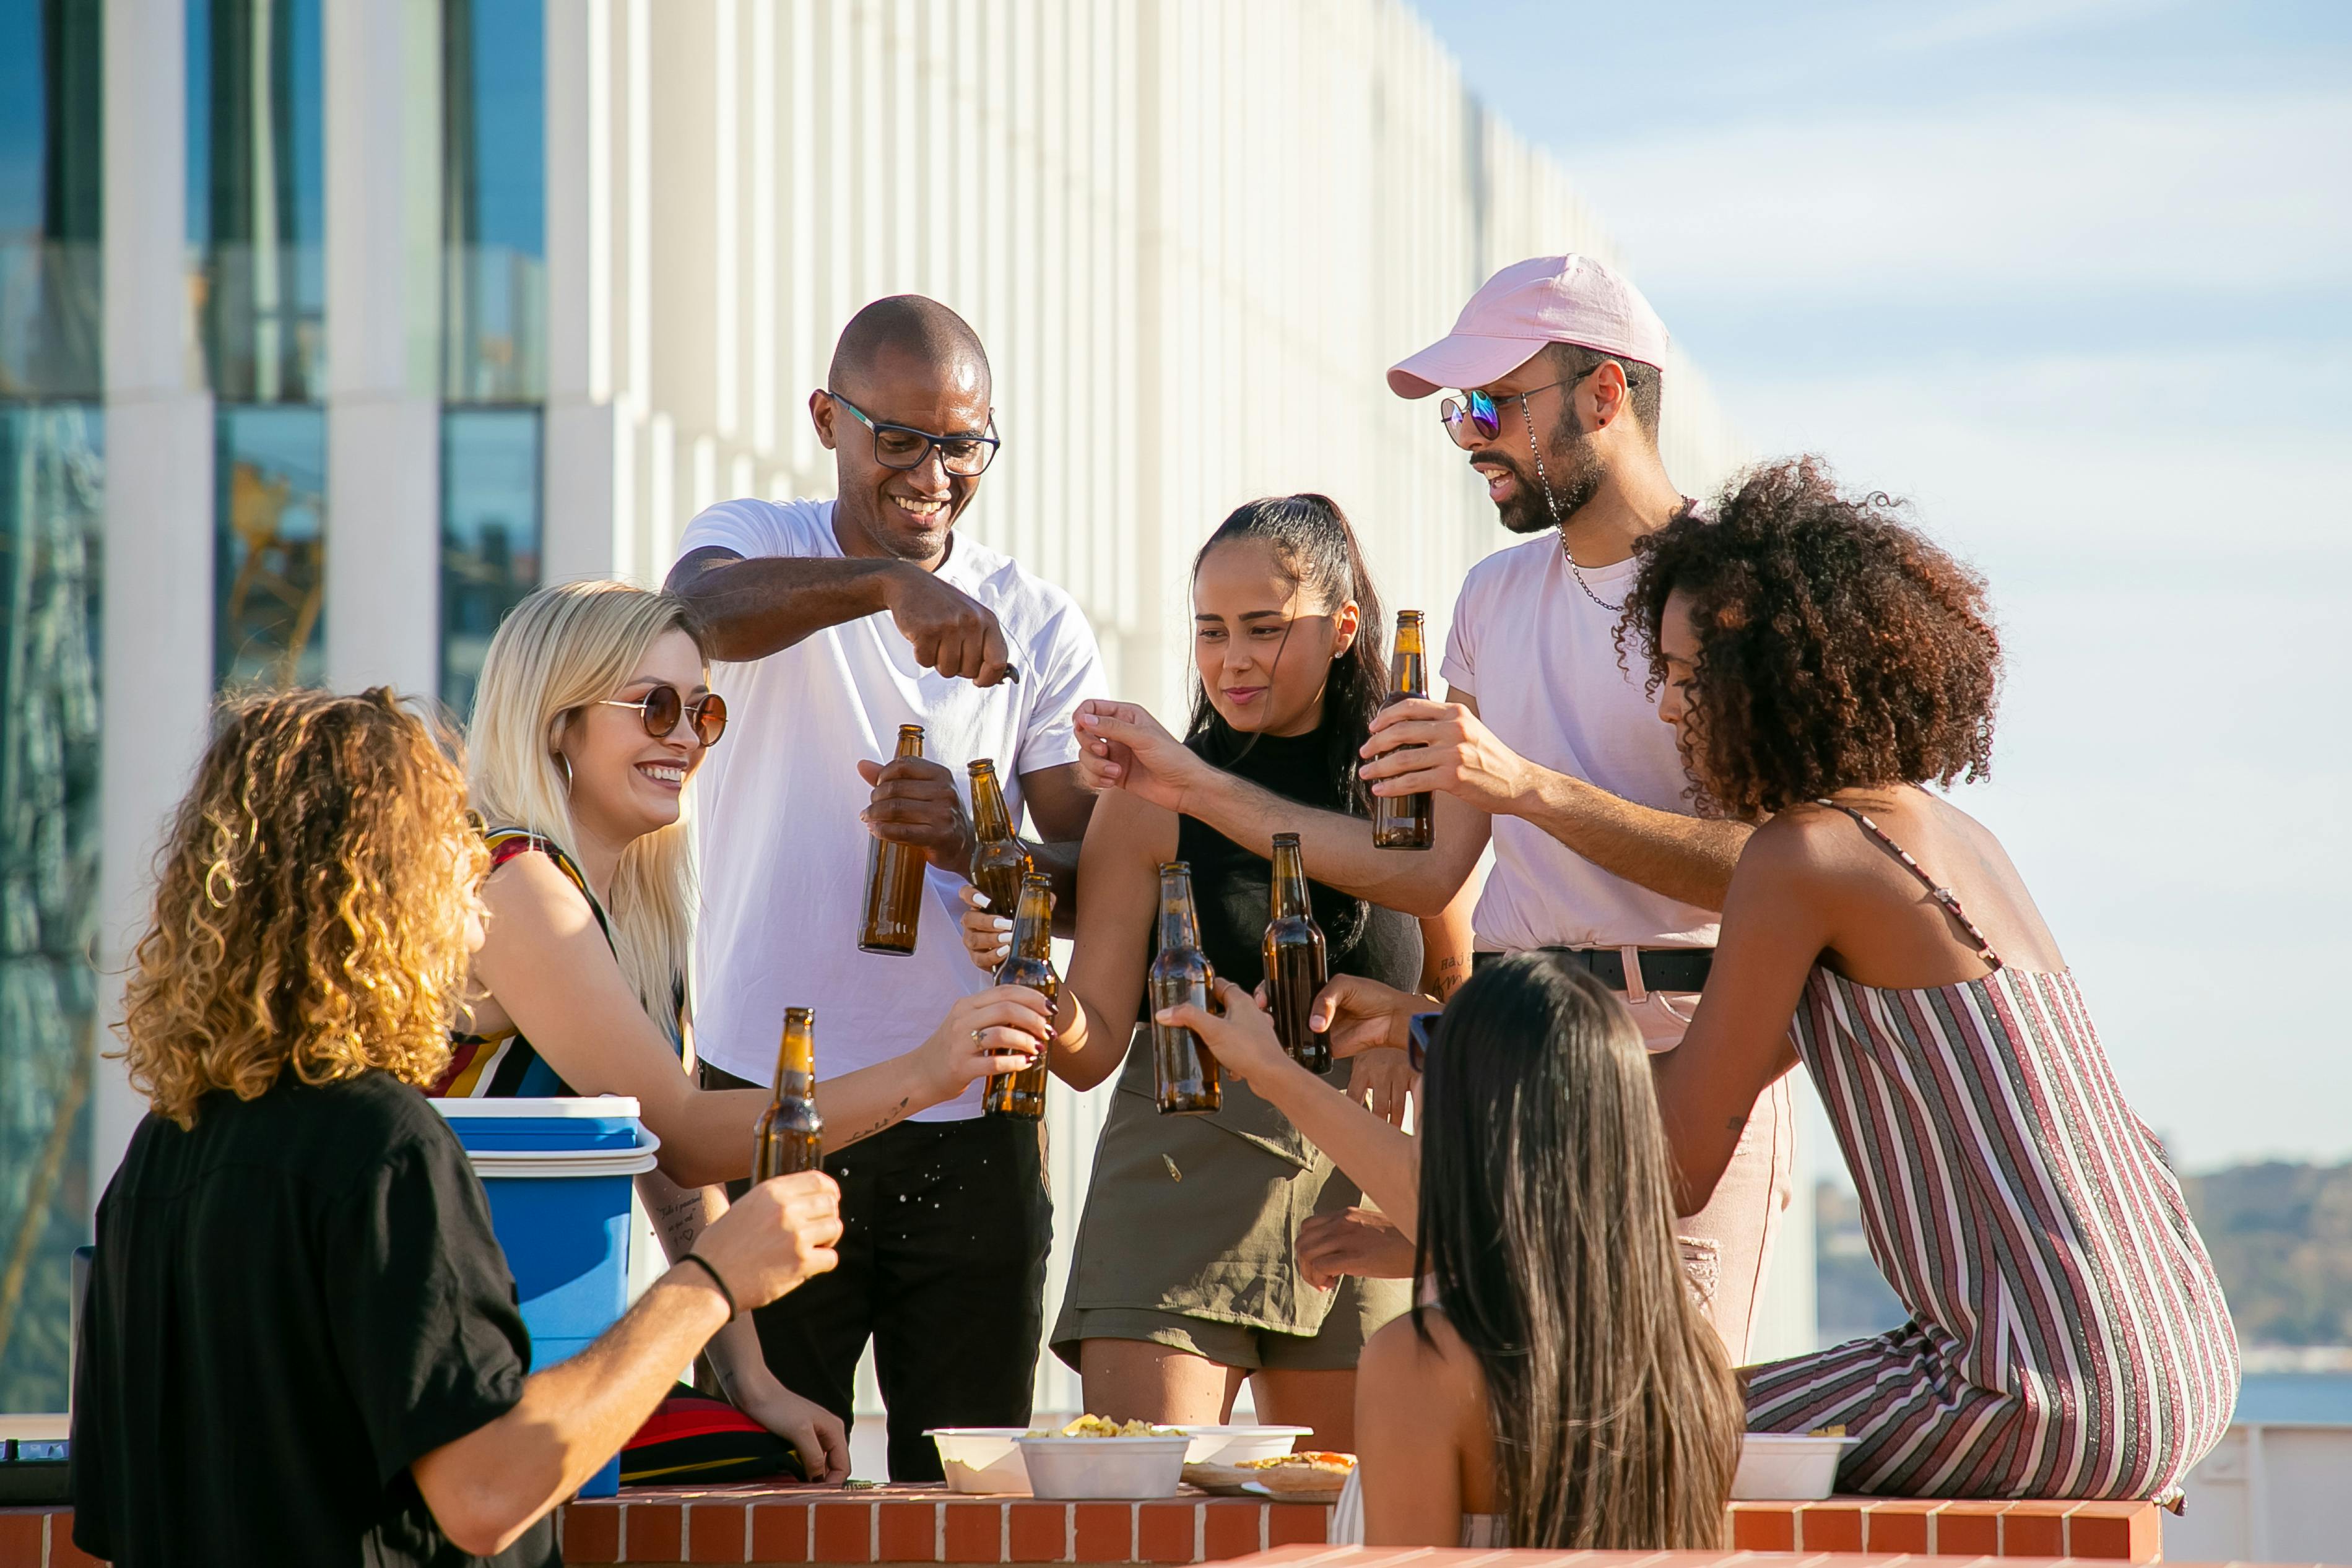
x=291, y=1302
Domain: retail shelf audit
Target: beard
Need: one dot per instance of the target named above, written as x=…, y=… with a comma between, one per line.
x=1574, y=470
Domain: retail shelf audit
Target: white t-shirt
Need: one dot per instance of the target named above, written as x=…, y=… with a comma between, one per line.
x=776, y=802
x=1554, y=693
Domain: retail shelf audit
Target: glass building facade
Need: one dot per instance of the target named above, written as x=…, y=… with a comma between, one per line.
x=494, y=323
x=52, y=476
x=257, y=229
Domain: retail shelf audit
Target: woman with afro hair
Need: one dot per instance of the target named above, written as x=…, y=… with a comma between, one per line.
x=1822, y=664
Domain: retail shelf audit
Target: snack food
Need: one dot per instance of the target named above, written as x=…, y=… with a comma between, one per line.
x=1103, y=1426
x=1314, y=1474
x=1318, y=1459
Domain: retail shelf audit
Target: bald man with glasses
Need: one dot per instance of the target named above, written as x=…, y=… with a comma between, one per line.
x=834, y=622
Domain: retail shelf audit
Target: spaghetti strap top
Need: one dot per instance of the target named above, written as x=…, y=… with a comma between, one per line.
x=1935, y=890
x=505, y=1065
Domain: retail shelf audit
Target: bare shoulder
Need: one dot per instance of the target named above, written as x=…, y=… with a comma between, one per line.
x=1794, y=846
x=530, y=894
x=1417, y=1366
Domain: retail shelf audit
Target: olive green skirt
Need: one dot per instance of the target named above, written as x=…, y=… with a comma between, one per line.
x=1196, y=1218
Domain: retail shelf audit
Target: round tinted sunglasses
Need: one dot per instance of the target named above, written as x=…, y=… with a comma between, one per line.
x=1474, y=416
x=662, y=707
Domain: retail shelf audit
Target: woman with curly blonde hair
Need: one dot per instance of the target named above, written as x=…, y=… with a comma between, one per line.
x=300, y=1342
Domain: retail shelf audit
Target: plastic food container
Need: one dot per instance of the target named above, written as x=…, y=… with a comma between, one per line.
x=982, y=1460
x=1104, y=1466
x=1233, y=1445
x=558, y=1174
x=1787, y=1468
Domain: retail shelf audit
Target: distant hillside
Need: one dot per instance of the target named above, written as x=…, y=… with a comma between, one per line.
x=2281, y=1236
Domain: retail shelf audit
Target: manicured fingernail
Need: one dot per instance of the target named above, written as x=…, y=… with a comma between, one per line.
x=979, y=899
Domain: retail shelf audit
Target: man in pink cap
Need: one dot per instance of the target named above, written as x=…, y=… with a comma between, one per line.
x=1546, y=745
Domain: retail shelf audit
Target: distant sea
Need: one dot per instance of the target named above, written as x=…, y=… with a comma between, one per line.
x=2296, y=1396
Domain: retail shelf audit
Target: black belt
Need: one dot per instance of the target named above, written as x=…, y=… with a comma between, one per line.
x=1663, y=968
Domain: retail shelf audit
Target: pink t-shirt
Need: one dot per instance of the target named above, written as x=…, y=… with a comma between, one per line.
x=1553, y=692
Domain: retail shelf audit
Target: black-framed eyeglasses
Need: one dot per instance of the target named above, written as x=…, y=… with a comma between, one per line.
x=662, y=707
x=903, y=446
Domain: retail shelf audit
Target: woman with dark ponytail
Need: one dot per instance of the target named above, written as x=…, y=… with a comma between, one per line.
x=1187, y=1278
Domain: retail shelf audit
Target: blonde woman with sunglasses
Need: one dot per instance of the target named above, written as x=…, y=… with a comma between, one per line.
x=593, y=713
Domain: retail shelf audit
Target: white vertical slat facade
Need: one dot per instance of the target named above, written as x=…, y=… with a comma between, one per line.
x=1193, y=233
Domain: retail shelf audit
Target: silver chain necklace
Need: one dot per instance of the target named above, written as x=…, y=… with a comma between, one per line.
x=1552, y=502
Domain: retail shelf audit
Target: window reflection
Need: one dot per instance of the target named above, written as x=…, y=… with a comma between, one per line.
x=50, y=199
x=494, y=202
x=257, y=196
x=51, y=530
x=270, y=480
x=489, y=534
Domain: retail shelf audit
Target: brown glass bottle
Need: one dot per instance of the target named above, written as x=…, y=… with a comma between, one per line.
x=1405, y=821
x=1296, y=965
x=1185, y=1074
x=894, y=879
x=999, y=860
x=1023, y=1093
x=790, y=1134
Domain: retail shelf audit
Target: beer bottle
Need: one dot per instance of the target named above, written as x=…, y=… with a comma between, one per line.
x=1023, y=1093
x=1405, y=821
x=1296, y=965
x=894, y=879
x=999, y=860
x=1183, y=1072
x=790, y=1135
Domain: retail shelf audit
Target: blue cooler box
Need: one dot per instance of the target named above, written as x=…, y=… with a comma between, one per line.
x=557, y=1173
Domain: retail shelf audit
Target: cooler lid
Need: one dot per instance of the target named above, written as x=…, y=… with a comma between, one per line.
x=583, y=1106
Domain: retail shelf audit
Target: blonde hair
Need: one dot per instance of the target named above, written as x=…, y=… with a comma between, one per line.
x=311, y=904
x=560, y=650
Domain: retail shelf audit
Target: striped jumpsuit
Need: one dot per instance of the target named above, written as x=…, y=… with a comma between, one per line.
x=2068, y=1337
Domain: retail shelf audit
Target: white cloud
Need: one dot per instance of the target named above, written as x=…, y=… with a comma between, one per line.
x=2214, y=193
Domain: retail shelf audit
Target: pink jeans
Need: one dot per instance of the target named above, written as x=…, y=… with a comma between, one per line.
x=1728, y=1244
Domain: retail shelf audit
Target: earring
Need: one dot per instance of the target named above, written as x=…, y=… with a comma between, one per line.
x=566, y=762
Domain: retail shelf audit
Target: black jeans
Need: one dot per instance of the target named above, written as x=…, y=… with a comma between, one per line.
x=945, y=1230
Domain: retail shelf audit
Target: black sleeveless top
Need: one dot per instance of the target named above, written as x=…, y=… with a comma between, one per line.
x=1233, y=887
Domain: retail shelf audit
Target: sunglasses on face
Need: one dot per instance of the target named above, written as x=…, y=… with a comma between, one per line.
x=1477, y=416
x=662, y=707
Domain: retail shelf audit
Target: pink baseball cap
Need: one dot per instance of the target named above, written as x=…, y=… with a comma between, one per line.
x=1546, y=299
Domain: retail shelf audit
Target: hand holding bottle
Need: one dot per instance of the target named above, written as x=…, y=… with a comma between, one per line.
x=1004, y=1029
x=1240, y=1035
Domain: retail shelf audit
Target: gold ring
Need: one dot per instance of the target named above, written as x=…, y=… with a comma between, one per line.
x=975, y=1037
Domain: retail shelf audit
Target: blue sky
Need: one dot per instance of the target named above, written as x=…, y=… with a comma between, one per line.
x=2075, y=276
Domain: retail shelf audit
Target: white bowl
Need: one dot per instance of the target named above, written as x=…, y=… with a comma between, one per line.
x=982, y=1460
x=1232, y=1445
x=1104, y=1466
x=1779, y=1467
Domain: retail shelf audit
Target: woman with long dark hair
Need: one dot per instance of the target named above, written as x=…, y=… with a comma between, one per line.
x=1186, y=1279
x=1559, y=1386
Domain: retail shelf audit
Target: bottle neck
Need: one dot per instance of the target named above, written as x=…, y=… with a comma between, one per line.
x=1289, y=884
x=910, y=742
x=1033, y=929
x=1179, y=926
x=989, y=819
